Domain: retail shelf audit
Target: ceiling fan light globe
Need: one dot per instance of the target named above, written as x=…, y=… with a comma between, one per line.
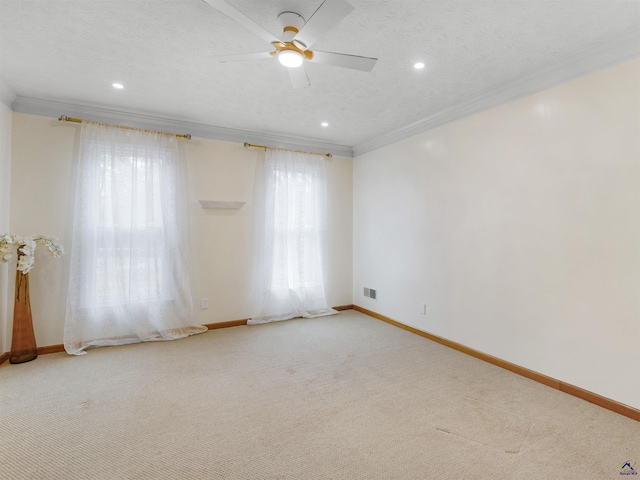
x=290, y=58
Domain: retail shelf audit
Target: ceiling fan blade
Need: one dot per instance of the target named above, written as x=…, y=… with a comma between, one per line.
x=242, y=57
x=242, y=19
x=365, y=64
x=324, y=18
x=298, y=77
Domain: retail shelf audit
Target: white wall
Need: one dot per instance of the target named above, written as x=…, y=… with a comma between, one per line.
x=5, y=177
x=42, y=180
x=222, y=239
x=519, y=227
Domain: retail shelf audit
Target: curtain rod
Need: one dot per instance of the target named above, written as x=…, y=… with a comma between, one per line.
x=247, y=145
x=64, y=118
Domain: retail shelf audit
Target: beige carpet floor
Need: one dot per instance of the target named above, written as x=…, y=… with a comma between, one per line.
x=341, y=397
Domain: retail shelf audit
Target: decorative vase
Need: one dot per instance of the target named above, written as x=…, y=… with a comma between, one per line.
x=23, y=343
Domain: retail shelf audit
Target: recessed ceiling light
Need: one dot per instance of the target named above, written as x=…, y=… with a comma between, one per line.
x=119, y=86
x=324, y=124
x=418, y=65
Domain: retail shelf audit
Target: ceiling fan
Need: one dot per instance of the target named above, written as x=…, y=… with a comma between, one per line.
x=292, y=49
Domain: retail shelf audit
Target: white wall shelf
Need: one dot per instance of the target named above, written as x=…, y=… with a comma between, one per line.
x=220, y=204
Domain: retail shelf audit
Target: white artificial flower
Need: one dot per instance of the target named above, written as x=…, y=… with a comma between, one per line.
x=55, y=248
x=25, y=263
x=6, y=245
x=26, y=247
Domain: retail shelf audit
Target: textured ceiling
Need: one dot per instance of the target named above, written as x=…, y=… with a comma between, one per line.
x=162, y=51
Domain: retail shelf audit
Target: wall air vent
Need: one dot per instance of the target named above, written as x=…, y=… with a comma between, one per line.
x=370, y=293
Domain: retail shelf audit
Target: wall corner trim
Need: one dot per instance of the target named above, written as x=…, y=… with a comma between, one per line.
x=231, y=323
x=343, y=307
x=581, y=393
x=211, y=326
x=51, y=349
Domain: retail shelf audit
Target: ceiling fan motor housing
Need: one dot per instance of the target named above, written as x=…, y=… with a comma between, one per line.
x=288, y=20
x=290, y=52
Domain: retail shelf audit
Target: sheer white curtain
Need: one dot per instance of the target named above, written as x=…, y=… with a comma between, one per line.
x=129, y=279
x=290, y=237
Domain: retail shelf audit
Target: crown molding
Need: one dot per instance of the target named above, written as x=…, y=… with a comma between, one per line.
x=624, y=47
x=7, y=95
x=99, y=113
x=614, y=51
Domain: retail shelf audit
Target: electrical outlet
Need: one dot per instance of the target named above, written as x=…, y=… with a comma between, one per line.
x=423, y=309
x=204, y=303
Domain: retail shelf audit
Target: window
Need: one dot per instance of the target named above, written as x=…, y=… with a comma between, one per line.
x=128, y=231
x=129, y=256
x=290, y=231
